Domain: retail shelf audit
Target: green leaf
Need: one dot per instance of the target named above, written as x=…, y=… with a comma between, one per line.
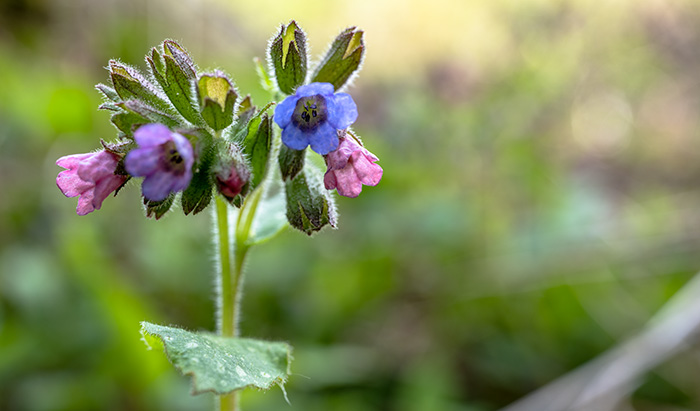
x=291, y=161
x=239, y=129
x=108, y=92
x=130, y=84
x=128, y=121
x=342, y=59
x=158, y=209
x=155, y=60
x=181, y=57
x=134, y=113
x=109, y=106
x=148, y=112
x=287, y=53
x=120, y=148
x=270, y=217
x=198, y=194
x=179, y=90
x=265, y=81
x=221, y=365
x=256, y=147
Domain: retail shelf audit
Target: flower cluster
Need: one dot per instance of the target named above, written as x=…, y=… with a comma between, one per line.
x=315, y=116
x=188, y=132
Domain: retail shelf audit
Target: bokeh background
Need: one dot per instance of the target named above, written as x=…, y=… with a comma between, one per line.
x=540, y=204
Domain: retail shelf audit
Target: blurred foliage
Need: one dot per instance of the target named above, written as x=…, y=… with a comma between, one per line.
x=539, y=204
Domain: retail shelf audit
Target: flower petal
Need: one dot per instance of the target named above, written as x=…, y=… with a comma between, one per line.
x=85, y=203
x=141, y=162
x=179, y=183
x=342, y=110
x=367, y=172
x=184, y=148
x=294, y=138
x=323, y=139
x=72, y=161
x=97, y=166
x=156, y=187
x=329, y=180
x=348, y=183
x=151, y=135
x=339, y=158
x=284, y=111
x=70, y=184
x=104, y=188
x=324, y=89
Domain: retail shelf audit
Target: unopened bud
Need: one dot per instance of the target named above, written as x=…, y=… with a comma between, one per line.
x=287, y=54
x=216, y=99
x=342, y=59
x=232, y=174
x=309, y=206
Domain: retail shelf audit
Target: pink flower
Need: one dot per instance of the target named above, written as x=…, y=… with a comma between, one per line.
x=90, y=176
x=351, y=166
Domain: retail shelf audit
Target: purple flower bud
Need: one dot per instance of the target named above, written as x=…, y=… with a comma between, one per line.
x=164, y=157
x=231, y=180
x=313, y=116
x=90, y=176
x=351, y=166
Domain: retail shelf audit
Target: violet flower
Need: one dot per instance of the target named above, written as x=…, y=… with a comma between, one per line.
x=351, y=166
x=90, y=176
x=313, y=115
x=164, y=157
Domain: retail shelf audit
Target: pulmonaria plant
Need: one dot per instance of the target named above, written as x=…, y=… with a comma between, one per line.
x=191, y=137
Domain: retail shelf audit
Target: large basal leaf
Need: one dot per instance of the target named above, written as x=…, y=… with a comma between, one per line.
x=219, y=364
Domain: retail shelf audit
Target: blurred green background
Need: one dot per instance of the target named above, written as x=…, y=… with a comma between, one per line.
x=539, y=204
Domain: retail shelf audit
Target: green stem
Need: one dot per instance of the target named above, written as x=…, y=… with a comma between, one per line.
x=231, y=272
x=227, y=293
x=229, y=297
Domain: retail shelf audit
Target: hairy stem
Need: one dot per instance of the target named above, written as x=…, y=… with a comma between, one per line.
x=230, y=281
x=226, y=297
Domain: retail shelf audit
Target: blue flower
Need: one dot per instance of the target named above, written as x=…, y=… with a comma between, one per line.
x=165, y=158
x=313, y=115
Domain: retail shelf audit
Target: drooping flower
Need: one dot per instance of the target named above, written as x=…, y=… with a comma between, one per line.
x=90, y=176
x=164, y=157
x=313, y=115
x=351, y=166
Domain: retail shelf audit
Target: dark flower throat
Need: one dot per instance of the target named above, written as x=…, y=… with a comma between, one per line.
x=310, y=112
